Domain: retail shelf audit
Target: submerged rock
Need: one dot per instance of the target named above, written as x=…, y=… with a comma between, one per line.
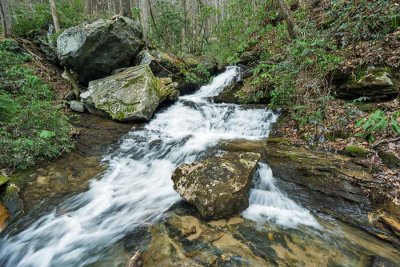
x=131, y=95
x=186, y=240
x=371, y=84
x=94, y=50
x=217, y=186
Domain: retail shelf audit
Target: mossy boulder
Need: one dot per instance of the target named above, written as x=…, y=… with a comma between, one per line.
x=131, y=95
x=217, y=186
x=94, y=50
x=373, y=84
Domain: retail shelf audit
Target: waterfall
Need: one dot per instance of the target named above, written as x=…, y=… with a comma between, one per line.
x=137, y=188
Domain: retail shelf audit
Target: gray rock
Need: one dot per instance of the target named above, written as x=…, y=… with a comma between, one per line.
x=77, y=106
x=370, y=84
x=161, y=64
x=94, y=50
x=131, y=95
x=218, y=186
x=69, y=96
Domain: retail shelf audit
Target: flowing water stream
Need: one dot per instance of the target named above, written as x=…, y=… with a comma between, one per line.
x=136, y=189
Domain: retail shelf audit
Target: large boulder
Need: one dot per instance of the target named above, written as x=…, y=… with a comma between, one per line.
x=131, y=95
x=94, y=50
x=373, y=84
x=217, y=186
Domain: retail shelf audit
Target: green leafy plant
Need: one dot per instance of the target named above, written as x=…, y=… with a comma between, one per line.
x=198, y=75
x=33, y=20
x=32, y=128
x=378, y=123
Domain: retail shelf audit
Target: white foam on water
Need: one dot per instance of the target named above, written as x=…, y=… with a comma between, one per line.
x=268, y=203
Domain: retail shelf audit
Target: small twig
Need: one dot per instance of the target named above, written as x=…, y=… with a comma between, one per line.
x=385, y=141
x=136, y=260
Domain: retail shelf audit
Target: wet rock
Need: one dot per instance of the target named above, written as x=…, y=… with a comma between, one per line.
x=131, y=95
x=12, y=201
x=372, y=84
x=94, y=50
x=4, y=215
x=217, y=186
x=168, y=90
x=239, y=242
x=228, y=94
x=77, y=106
x=331, y=183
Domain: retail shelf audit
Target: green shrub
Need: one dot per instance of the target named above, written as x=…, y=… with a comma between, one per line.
x=364, y=19
x=32, y=128
x=198, y=75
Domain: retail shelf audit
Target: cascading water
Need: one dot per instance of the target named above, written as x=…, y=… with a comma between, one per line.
x=137, y=188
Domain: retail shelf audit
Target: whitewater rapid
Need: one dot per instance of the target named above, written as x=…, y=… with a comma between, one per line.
x=137, y=189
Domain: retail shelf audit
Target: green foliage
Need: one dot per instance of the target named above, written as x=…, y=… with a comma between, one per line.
x=364, y=19
x=378, y=122
x=304, y=63
x=32, y=128
x=198, y=75
x=236, y=32
x=173, y=29
x=166, y=29
x=29, y=21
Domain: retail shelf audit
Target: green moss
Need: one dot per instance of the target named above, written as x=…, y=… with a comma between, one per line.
x=356, y=151
x=3, y=180
x=280, y=140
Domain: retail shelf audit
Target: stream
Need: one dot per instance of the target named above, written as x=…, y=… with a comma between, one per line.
x=136, y=189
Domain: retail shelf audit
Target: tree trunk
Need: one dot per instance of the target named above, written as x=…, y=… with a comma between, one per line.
x=56, y=21
x=288, y=16
x=126, y=8
x=5, y=17
x=88, y=7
